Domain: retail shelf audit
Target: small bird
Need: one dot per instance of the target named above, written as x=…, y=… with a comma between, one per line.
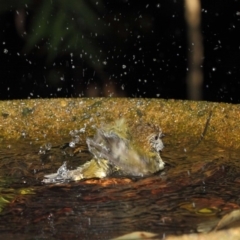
x=129, y=149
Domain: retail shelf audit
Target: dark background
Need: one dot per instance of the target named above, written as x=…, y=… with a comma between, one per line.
x=115, y=48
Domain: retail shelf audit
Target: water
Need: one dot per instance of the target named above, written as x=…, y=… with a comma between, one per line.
x=199, y=185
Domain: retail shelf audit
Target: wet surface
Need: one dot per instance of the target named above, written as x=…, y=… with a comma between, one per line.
x=199, y=185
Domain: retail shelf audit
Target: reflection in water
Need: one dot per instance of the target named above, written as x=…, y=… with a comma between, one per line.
x=198, y=185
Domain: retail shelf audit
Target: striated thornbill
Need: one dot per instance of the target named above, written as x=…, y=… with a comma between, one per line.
x=129, y=149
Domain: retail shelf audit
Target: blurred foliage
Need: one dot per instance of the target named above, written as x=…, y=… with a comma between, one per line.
x=12, y=5
x=60, y=27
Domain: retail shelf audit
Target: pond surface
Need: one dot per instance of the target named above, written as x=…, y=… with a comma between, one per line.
x=199, y=185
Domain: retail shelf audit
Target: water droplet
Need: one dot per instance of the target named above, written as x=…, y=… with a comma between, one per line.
x=76, y=139
x=24, y=134
x=72, y=144
x=48, y=146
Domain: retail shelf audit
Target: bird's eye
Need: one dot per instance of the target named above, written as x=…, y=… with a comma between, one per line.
x=156, y=137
